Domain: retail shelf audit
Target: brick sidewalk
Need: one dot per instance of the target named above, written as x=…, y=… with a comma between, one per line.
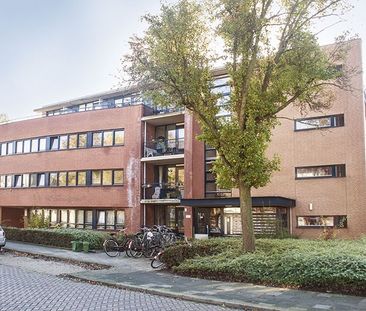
x=136, y=274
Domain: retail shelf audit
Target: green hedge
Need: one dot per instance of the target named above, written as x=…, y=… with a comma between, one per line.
x=338, y=266
x=56, y=237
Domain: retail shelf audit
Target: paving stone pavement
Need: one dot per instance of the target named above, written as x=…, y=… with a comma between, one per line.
x=32, y=291
x=137, y=275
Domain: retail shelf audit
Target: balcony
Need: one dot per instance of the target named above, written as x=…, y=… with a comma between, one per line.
x=162, y=193
x=164, y=151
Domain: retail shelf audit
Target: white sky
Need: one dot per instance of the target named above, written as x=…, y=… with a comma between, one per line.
x=57, y=50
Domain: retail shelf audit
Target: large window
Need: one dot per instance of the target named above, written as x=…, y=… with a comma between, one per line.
x=97, y=139
x=322, y=221
x=81, y=178
x=109, y=177
x=319, y=122
x=63, y=142
x=326, y=171
x=110, y=219
x=108, y=138
x=54, y=143
x=53, y=180
x=96, y=178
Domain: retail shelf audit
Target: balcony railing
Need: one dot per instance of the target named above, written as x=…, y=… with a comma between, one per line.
x=158, y=191
x=161, y=146
x=162, y=110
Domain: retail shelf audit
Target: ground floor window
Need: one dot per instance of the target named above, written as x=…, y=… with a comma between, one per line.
x=170, y=216
x=83, y=218
x=322, y=221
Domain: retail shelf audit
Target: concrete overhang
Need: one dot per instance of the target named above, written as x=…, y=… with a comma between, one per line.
x=164, y=118
x=164, y=159
x=161, y=201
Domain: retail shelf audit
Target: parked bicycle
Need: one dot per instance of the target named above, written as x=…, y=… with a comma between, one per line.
x=117, y=243
x=150, y=241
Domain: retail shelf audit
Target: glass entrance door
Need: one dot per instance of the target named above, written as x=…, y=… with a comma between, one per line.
x=202, y=220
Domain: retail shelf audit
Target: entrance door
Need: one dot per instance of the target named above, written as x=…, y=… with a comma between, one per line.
x=202, y=220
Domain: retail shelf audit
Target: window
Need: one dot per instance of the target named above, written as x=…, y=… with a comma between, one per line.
x=34, y=145
x=322, y=221
x=108, y=138
x=79, y=219
x=3, y=149
x=88, y=219
x=71, y=178
x=107, y=177
x=118, y=177
x=97, y=139
x=82, y=141
x=63, y=142
x=25, y=182
x=96, y=177
x=54, y=143
x=54, y=214
x=89, y=106
x=42, y=144
x=82, y=107
x=10, y=148
x=41, y=180
x=110, y=220
x=19, y=147
x=33, y=180
x=72, y=218
x=53, y=180
x=119, y=137
x=101, y=220
x=73, y=141
x=2, y=181
x=64, y=218
x=120, y=219
x=8, y=181
x=319, y=122
x=81, y=178
x=62, y=179
x=118, y=102
x=17, y=181
x=26, y=146
x=327, y=171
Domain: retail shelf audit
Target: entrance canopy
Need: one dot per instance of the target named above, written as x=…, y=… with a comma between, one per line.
x=228, y=202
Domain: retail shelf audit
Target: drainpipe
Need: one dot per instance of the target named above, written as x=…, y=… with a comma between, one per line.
x=144, y=172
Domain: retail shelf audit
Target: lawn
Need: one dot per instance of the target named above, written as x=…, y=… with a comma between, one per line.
x=335, y=265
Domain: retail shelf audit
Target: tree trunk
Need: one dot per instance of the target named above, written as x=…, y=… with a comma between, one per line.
x=246, y=218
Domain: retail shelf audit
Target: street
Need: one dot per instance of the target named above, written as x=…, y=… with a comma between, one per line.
x=29, y=290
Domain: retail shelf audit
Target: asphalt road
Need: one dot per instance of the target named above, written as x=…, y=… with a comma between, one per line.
x=33, y=291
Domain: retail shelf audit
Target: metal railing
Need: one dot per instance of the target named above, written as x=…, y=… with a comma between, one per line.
x=162, y=146
x=163, y=191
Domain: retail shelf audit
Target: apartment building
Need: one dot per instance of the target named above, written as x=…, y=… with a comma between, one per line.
x=111, y=160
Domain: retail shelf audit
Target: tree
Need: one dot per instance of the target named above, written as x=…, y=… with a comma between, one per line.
x=273, y=60
x=3, y=118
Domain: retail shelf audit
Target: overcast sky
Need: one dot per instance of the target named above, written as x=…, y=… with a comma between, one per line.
x=57, y=50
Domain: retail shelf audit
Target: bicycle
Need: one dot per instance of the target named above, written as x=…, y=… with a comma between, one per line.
x=114, y=247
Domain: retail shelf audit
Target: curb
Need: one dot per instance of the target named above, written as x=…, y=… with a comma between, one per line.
x=61, y=259
x=160, y=292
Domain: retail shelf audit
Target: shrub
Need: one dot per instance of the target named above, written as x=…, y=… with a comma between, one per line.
x=38, y=220
x=335, y=265
x=57, y=237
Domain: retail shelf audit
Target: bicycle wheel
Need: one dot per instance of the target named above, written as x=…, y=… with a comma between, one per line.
x=135, y=248
x=111, y=248
x=156, y=262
